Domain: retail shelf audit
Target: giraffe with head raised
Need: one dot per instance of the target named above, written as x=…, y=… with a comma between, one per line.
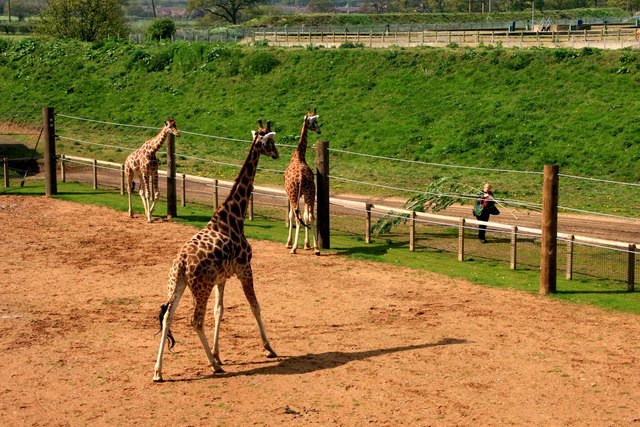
x=299, y=182
x=217, y=252
x=143, y=162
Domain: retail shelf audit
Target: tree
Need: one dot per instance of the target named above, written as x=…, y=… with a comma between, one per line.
x=321, y=6
x=87, y=20
x=228, y=10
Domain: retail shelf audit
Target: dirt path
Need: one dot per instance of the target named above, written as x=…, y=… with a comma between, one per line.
x=359, y=343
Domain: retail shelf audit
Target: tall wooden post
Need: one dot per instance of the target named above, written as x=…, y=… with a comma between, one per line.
x=172, y=210
x=50, y=170
x=322, y=177
x=549, y=247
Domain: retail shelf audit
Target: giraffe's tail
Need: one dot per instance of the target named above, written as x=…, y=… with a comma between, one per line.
x=176, y=284
x=163, y=311
x=299, y=218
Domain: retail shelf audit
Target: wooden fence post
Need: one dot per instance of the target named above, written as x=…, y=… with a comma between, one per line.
x=50, y=169
x=63, y=172
x=172, y=208
x=461, y=225
x=514, y=248
x=412, y=232
x=95, y=174
x=5, y=168
x=322, y=178
x=215, y=194
x=569, y=266
x=631, y=268
x=367, y=233
x=549, y=247
x=122, y=180
x=184, y=190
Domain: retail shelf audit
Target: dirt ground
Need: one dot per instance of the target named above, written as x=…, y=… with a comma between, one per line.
x=358, y=343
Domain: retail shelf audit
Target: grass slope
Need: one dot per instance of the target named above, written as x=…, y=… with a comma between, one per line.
x=489, y=107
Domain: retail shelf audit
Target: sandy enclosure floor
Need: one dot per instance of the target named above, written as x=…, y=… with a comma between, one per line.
x=359, y=343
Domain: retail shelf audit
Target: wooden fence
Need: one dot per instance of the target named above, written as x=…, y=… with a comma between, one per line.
x=617, y=38
x=368, y=209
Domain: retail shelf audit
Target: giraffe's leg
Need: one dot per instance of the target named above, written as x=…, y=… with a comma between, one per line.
x=294, y=248
x=155, y=194
x=129, y=174
x=306, y=229
x=166, y=323
x=246, y=278
x=144, y=194
x=314, y=230
x=292, y=218
x=218, y=311
x=197, y=322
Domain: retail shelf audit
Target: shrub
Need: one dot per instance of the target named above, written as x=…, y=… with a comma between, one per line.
x=260, y=63
x=160, y=29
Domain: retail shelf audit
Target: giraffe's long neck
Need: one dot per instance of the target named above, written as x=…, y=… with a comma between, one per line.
x=156, y=142
x=301, y=152
x=232, y=211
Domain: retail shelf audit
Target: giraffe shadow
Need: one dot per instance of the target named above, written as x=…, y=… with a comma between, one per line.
x=370, y=249
x=308, y=363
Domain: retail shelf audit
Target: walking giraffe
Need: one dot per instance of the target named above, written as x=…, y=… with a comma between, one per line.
x=299, y=182
x=215, y=253
x=143, y=162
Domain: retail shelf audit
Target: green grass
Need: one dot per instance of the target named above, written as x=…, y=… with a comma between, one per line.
x=268, y=225
x=488, y=106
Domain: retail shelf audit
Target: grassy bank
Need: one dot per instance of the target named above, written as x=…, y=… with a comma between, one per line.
x=491, y=107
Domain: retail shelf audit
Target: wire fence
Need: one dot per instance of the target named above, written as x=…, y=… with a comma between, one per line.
x=519, y=247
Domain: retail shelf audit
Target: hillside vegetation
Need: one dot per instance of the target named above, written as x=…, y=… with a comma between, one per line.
x=489, y=107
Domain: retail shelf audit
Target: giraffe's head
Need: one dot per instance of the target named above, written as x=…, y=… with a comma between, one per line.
x=170, y=126
x=311, y=119
x=264, y=138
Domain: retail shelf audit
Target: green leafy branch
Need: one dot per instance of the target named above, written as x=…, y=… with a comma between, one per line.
x=439, y=195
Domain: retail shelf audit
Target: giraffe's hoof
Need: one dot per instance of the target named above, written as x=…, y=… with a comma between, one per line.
x=307, y=247
x=271, y=354
x=158, y=379
x=317, y=252
x=218, y=370
x=289, y=246
x=292, y=251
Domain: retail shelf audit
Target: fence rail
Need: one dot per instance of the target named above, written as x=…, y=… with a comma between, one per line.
x=453, y=234
x=618, y=38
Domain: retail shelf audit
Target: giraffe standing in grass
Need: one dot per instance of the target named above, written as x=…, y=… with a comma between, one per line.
x=299, y=182
x=143, y=162
x=215, y=253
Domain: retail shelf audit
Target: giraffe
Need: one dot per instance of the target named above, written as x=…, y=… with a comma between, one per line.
x=143, y=161
x=299, y=181
x=215, y=253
